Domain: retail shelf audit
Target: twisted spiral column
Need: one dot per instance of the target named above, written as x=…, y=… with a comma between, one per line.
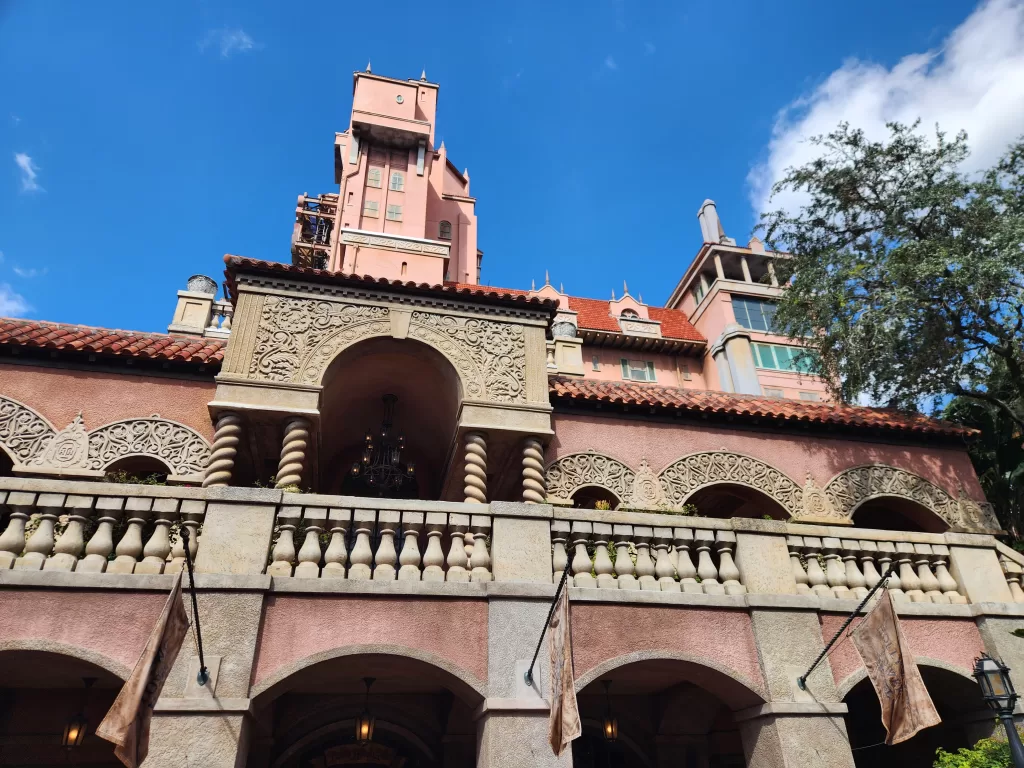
x=476, y=468
x=293, y=452
x=534, y=485
x=225, y=447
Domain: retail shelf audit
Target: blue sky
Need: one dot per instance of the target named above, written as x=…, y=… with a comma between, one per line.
x=139, y=142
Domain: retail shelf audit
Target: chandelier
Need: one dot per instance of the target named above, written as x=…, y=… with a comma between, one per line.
x=381, y=464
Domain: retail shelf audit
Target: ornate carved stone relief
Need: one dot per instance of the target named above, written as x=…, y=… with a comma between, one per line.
x=182, y=449
x=688, y=474
x=646, y=492
x=577, y=470
x=816, y=503
x=23, y=432
x=67, y=449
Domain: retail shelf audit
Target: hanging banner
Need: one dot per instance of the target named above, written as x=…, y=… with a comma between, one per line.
x=564, y=720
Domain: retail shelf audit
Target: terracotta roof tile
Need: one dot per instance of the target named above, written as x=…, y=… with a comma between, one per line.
x=751, y=406
x=102, y=341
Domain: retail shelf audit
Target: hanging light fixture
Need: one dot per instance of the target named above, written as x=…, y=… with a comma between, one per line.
x=366, y=721
x=381, y=465
x=610, y=726
x=77, y=727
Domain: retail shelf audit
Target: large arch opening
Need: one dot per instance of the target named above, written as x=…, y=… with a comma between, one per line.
x=41, y=693
x=894, y=513
x=965, y=719
x=725, y=500
x=594, y=497
x=667, y=712
x=427, y=394
x=422, y=714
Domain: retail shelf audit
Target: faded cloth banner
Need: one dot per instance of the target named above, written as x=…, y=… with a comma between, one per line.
x=127, y=722
x=906, y=706
x=564, y=721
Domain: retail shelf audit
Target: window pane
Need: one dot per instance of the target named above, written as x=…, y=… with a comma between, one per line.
x=397, y=181
x=784, y=357
x=650, y=371
x=625, y=368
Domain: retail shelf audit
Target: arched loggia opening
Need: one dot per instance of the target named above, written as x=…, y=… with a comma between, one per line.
x=138, y=469
x=665, y=712
x=41, y=695
x=726, y=500
x=422, y=716
x=595, y=497
x=965, y=719
x=894, y=513
x=427, y=394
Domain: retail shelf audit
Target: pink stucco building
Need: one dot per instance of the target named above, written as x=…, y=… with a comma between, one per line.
x=389, y=466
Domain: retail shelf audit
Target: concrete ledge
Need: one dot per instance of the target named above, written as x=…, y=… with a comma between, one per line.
x=595, y=595
x=792, y=709
x=292, y=585
x=903, y=608
x=521, y=509
x=653, y=518
x=158, y=582
x=204, y=705
x=510, y=706
x=1012, y=610
x=785, y=602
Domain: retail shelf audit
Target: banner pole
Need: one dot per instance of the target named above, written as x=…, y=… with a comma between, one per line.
x=204, y=675
x=565, y=575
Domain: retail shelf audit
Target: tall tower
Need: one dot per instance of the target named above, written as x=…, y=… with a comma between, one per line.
x=403, y=210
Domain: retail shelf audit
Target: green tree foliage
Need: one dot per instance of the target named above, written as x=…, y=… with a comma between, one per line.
x=987, y=753
x=906, y=275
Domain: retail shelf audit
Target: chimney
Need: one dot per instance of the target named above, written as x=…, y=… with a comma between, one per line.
x=711, y=225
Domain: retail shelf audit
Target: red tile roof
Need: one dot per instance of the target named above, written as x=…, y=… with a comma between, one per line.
x=102, y=341
x=749, y=406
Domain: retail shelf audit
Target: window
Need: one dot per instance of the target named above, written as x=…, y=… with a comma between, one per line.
x=373, y=178
x=637, y=370
x=698, y=292
x=596, y=363
x=444, y=230
x=684, y=369
x=779, y=358
x=754, y=314
x=394, y=213
x=371, y=208
x=812, y=396
x=773, y=392
x=397, y=183
x=628, y=313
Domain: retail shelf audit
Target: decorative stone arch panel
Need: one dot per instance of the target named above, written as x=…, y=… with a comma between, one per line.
x=568, y=474
x=24, y=433
x=681, y=479
x=852, y=487
x=181, y=448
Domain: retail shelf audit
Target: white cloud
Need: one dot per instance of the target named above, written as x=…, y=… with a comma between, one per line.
x=29, y=172
x=229, y=41
x=11, y=302
x=28, y=274
x=610, y=63
x=974, y=81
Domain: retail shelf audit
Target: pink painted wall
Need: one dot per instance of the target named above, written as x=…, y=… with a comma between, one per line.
x=610, y=367
x=794, y=453
x=112, y=623
x=397, y=266
x=102, y=397
x=298, y=626
x=954, y=641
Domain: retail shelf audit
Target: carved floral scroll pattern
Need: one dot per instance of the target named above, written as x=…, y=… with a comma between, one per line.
x=183, y=450
x=23, y=432
x=577, y=470
x=681, y=479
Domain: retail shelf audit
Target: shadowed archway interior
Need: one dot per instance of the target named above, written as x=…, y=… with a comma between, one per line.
x=893, y=513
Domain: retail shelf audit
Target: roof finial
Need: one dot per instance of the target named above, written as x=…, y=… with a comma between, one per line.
x=625, y=288
x=547, y=278
x=561, y=287
x=442, y=145
x=613, y=294
x=423, y=75
x=640, y=298
x=533, y=285
x=368, y=66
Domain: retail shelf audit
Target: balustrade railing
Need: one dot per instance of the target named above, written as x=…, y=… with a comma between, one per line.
x=1012, y=563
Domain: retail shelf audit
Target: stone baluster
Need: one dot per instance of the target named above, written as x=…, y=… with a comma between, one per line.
x=192, y=513
x=623, y=535
x=283, y=555
x=40, y=543
x=158, y=548
x=815, y=575
x=458, y=525
x=929, y=584
x=387, y=556
x=664, y=570
x=129, y=548
x=226, y=436
x=12, y=542
x=886, y=556
x=559, y=555
x=948, y=585
x=475, y=486
x=794, y=544
x=534, y=482
x=602, y=562
x=868, y=550
x=855, y=580
x=1012, y=571
x=335, y=558
x=433, y=558
x=361, y=559
x=645, y=569
x=410, y=560
x=683, y=538
x=673, y=556
x=835, y=574
x=293, y=452
x=309, y=552
x=71, y=543
x=101, y=543
x=581, y=565
x=908, y=579
x=480, y=562
x=706, y=570
x=727, y=570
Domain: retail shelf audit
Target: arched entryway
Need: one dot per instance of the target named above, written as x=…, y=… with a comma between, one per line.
x=422, y=714
x=668, y=712
x=41, y=695
x=724, y=500
x=894, y=513
x=957, y=697
x=426, y=393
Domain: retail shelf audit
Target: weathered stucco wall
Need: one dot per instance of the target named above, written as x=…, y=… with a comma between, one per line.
x=102, y=397
x=795, y=452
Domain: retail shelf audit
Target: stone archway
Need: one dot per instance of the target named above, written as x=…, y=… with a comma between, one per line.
x=688, y=475
x=576, y=471
x=180, y=448
x=24, y=433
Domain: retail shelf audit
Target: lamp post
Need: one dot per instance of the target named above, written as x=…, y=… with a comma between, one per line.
x=997, y=690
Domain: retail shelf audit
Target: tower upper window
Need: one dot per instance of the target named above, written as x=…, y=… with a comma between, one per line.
x=373, y=178
x=397, y=181
x=629, y=313
x=394, y=213
x=444, y=230
x=371, y=208
x=755, y=314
